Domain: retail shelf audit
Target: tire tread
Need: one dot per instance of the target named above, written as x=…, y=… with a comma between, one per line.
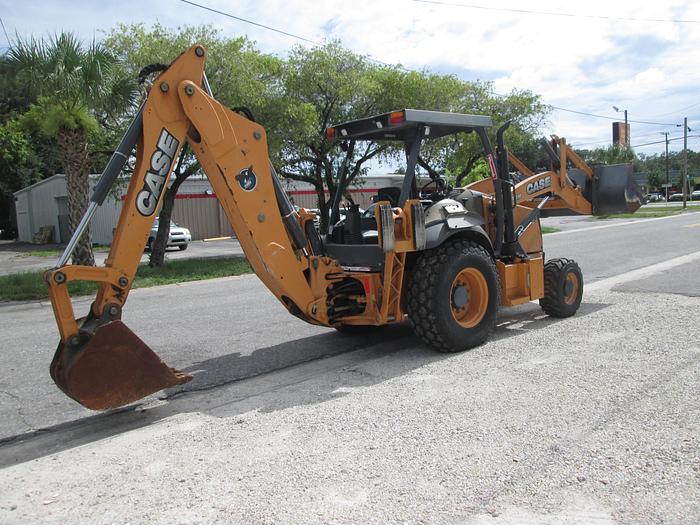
x=422, y=313
x=552, y=303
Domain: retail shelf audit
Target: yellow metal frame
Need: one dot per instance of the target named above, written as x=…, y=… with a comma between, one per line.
x=523, y=280
x=227, y=145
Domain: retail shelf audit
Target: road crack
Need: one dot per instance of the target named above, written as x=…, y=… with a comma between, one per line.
x=22, y=417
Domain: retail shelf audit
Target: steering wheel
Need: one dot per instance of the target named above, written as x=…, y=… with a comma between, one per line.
x=440, y=185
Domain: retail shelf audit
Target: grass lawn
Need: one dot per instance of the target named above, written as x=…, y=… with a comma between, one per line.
x=549, y=229
x=30, y=286
x=647, y=213
x=56, y=252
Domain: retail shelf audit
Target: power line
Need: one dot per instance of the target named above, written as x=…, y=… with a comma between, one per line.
x=677, y=111
x=250, y=22
x=661, y=141
x=245, y=20
x=292, y=35
x=613, y=118
x=555, y=13
x=642, y=135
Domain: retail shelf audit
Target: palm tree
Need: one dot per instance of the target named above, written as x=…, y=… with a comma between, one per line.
x=77, y=88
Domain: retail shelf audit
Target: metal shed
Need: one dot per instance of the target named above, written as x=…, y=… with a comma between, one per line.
x=196, y=207
x=46, y=204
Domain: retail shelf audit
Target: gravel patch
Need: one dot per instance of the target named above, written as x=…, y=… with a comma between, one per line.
x=589, y=419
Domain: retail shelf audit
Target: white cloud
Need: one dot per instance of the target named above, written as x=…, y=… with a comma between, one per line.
x=649, y=68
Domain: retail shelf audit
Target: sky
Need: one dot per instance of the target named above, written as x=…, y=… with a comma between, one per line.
x=588, y=61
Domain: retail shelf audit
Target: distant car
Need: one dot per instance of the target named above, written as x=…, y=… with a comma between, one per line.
x=369, y=212
x=675, y=197
x=695, y=195
x=655, y=197
x=179, y=236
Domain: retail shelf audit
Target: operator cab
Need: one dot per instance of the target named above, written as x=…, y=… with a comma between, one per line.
x=352, y=236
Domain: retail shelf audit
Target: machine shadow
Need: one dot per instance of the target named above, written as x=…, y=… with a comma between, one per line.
x=240, y=388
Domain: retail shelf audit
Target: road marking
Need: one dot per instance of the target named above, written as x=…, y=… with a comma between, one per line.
x=217, y=239
x=603, y=226
x=696, y=225
x=641, y=273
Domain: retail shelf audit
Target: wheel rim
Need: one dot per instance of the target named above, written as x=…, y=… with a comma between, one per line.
x=571, y=286
x=469, y=297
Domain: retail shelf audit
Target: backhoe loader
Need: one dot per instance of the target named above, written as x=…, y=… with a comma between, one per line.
x=443, y=257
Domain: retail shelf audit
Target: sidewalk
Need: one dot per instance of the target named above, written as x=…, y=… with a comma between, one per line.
x=17, y=258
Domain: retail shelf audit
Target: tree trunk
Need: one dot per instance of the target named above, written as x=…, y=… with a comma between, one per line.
x=324, y=210
x=160, y=243
x=73, y=146
x=467, y=169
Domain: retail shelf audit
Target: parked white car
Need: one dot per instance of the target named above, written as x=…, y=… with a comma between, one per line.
x=179, y=236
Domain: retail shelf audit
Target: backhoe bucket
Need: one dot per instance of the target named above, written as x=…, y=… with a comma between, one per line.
x=615, y=190
x=113, y=369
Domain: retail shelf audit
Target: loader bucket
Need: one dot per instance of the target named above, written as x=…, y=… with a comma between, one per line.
x=114, y=368
x=615, y=190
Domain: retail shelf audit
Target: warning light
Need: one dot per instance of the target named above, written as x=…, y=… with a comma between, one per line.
x=397, y=117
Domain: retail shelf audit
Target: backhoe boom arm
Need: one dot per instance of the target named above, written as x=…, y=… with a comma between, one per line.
x=232, y=151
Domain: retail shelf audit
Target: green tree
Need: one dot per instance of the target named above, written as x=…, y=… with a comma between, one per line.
x=18, y=168
x=327, y=85
x=322, y=86
x=613, y=154
x=655, y=179
x=526, y=113
x=239, y=75
x=76, y=87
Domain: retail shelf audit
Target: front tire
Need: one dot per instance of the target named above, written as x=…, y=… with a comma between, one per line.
x=563, y=288
x=452, y=296
x=182, y=247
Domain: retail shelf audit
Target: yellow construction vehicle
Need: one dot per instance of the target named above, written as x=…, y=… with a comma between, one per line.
x=443, y=257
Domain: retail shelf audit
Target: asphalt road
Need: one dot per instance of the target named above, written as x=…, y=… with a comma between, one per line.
x=558, y=427
x=226, y=329
x=612, y=248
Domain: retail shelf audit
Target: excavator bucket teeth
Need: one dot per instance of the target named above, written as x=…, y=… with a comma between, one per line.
x=113, y=369
x=615, y=190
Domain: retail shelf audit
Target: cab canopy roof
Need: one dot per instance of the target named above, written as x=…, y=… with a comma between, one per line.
x=407, y=124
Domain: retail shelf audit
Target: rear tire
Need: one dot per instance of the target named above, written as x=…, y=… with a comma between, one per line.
x=452, y=296
x=563, y=288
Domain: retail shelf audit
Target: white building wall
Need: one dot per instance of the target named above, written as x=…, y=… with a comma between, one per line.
x=44, y=204
x=105, y=221
x=24, y=217
x=36, y=207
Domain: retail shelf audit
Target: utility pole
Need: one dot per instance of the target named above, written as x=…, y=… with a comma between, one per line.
x=667, y=182
x=685, y=162
x=627, y=134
